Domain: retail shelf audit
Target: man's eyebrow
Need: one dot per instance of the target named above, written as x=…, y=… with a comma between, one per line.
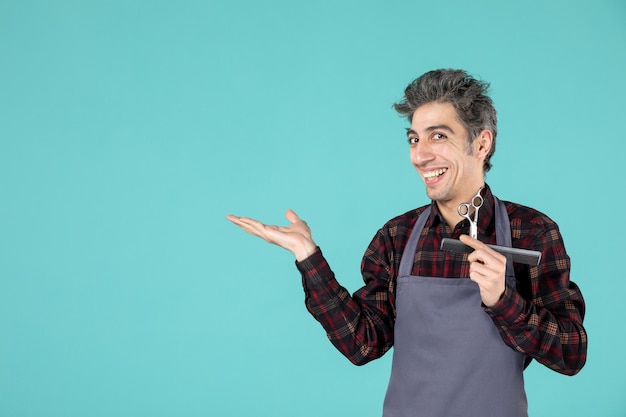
x=410, y=131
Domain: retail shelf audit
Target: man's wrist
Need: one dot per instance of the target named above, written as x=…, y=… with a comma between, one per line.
x=305, y=251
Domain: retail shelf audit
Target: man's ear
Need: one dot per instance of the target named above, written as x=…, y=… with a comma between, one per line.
x=483, y=143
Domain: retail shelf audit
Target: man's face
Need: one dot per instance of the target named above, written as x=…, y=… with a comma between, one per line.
x=451, y=169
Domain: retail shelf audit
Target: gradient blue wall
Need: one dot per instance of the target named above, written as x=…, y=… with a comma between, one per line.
x=129, y=129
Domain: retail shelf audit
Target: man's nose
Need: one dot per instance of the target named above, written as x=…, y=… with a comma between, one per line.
x=421, y=152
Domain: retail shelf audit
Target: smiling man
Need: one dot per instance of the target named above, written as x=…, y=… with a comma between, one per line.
x=463, y=327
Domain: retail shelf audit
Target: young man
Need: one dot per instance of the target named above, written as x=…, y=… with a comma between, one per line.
x=460, y=345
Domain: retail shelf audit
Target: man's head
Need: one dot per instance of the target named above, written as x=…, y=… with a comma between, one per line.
x=467, y=95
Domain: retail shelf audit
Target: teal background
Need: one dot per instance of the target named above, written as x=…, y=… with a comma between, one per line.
x=130, y=129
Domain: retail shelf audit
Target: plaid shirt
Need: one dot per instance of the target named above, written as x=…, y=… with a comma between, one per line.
x=542, y=318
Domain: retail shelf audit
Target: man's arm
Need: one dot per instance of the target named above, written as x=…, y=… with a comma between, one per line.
x=547, y=327
x=360, y=326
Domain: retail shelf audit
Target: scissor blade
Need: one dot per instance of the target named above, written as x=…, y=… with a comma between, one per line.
x=522, y=256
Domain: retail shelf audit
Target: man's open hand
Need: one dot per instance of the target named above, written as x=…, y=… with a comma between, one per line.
x=296, y=237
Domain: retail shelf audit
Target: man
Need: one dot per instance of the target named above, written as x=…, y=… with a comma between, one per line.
x=460, y=345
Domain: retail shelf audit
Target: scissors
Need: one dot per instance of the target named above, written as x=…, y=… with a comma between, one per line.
x=464, y=211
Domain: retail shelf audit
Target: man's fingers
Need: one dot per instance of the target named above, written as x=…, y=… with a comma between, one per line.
x=239, y=221
x=251, y=226
x=482, y=253
x=471, y=242
x=481, y=268
x=292, y=216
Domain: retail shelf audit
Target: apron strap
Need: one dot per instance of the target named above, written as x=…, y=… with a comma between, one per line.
x=408, y=256
x=503, y=238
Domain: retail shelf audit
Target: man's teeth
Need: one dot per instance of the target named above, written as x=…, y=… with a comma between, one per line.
x=434, y=174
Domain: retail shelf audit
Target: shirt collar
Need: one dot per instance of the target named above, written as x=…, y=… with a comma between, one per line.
x=485, y=215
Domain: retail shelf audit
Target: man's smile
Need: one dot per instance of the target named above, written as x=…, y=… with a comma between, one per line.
x=434, y=174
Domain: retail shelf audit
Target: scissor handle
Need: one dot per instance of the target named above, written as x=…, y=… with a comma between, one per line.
x=477, y=201
x=464, y=210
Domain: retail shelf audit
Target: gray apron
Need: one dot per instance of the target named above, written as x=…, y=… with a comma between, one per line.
x=449, y=359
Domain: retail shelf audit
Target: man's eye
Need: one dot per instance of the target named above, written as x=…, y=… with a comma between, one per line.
x=413, y=141
x=439, y=136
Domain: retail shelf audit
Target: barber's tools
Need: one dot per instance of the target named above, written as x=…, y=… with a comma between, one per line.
x=465, y=209
x=524, y=256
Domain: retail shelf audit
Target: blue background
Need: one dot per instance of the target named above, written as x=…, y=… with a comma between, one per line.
x=129, y=129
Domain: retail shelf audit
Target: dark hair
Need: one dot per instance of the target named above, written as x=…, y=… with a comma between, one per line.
x=468, y=95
